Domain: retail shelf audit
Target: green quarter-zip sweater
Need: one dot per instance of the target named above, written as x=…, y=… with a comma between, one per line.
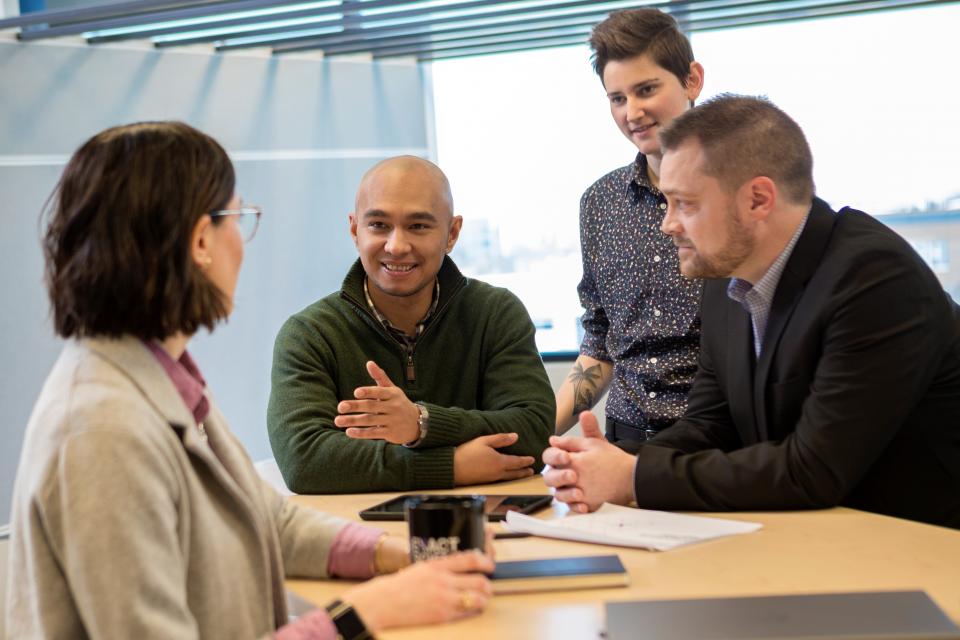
x=475, y=366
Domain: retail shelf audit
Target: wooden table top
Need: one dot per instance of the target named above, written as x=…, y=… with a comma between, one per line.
x=796, y=552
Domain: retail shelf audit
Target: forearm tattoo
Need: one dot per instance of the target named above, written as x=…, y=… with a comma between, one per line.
x=585, y=383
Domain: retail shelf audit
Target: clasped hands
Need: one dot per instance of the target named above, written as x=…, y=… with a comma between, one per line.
x=586, y=472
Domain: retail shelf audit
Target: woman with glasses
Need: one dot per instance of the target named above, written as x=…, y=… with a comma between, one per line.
x=136, y=512
x=248, y=219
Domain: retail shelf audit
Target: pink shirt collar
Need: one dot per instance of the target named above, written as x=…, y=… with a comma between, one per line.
x=186, y=377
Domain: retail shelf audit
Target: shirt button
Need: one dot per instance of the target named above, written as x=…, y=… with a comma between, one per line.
x=653, y=361
x=656, y=258
x=663, y=205
x=652, y=394
x=656, y=312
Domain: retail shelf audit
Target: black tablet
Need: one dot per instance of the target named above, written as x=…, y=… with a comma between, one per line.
x=496, y=509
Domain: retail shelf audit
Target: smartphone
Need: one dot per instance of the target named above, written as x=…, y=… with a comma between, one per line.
x=496, y=507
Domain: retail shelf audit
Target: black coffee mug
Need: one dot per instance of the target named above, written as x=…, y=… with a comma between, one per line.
x=441, y=525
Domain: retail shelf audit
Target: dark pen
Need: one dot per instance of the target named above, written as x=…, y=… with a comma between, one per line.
x=510, y=534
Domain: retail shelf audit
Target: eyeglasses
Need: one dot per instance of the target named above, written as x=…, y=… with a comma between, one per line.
x=248, y=219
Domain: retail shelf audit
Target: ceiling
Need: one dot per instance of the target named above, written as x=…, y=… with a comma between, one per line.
x=421, y=29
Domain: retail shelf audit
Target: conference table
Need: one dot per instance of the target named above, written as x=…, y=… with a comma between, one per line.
x=798, y=552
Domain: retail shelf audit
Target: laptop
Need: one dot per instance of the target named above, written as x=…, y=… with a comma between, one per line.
x=895, y=615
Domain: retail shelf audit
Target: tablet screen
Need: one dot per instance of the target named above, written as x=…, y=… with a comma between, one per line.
x=497, y=507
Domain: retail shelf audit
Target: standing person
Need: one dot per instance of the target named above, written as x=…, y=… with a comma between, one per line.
x=412, y=376
x=136, y=512
x=830, y=363
x=641, y=325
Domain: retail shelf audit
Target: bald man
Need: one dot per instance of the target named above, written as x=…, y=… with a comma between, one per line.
x=412, y=376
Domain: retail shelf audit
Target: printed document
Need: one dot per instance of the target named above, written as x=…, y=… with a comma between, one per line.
x=626, y=527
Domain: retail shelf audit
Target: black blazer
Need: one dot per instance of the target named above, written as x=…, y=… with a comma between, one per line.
x=854, y=400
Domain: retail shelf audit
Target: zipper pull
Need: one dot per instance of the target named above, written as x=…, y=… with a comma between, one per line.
x=411, y=371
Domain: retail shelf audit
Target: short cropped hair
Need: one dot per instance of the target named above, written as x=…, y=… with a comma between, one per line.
x=120, y=222
x=744, y=137
x=633, y=32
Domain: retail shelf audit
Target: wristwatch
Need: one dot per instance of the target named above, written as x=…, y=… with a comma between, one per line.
x=423, y=422
x=348, y=623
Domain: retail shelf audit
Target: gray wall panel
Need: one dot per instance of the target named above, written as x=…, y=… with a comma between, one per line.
x=27, y=345
x=297, y=257
x=61, y=93
x=302, y=131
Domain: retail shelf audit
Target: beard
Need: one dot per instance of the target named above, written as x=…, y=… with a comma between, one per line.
x=739, y=245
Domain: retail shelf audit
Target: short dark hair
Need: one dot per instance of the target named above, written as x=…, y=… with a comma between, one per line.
x=634, y=32
x=117, y=244
x=744, y=137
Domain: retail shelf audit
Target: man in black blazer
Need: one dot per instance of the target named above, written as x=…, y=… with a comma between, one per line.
x=829, y=368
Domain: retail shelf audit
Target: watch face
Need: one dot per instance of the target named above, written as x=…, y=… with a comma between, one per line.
x=348, y=624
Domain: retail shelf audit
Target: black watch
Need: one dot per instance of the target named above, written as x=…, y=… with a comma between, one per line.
x=348, y=623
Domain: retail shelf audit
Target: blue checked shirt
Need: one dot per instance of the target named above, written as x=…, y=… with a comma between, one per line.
x=758, y=298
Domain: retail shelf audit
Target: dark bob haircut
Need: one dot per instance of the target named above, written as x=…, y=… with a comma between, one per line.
x=117, y=244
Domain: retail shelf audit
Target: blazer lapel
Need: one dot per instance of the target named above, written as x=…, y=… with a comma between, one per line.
x=233, y=461
x=132, y=357
x=797, y=272
x=239, y=473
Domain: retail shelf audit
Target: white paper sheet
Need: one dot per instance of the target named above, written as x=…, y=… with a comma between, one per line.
x=625, y=527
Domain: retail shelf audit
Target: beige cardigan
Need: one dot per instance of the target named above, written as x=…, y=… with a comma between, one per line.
x=125, y=524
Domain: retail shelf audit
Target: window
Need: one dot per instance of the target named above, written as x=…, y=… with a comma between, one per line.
x=522, y=135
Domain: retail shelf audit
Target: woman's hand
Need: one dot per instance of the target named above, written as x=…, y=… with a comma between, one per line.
x=427, y=592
